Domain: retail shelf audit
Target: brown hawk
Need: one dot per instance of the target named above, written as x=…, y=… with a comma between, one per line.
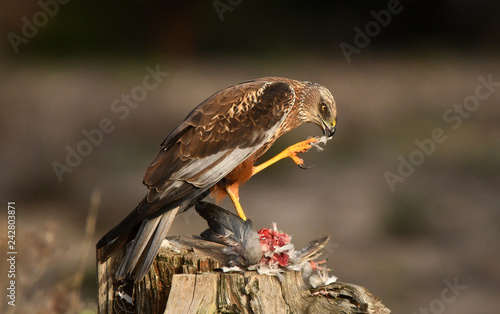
x=214, y=151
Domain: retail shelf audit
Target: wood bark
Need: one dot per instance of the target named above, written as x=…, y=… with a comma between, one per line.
x=186, y=278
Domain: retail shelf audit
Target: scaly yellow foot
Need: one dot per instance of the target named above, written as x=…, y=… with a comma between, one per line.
x=291, y=152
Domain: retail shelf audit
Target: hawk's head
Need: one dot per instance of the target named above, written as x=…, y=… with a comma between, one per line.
x=319, y=107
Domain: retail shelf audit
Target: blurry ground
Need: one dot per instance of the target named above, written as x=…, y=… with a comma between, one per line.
x=441, y=224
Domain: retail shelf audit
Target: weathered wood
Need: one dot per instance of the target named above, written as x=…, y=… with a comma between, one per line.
x=186, y=278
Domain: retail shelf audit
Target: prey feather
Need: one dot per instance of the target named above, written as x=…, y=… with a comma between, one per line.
x=320, y=140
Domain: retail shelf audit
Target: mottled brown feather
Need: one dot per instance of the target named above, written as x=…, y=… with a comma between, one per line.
x=237, y=117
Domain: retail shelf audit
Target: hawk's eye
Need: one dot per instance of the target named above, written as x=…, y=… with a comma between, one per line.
x=323, y=108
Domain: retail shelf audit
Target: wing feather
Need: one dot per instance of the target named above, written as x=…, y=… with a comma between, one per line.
x=195, y=157
x=220, y=134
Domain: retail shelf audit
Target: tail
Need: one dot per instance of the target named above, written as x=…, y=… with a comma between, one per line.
x=142, y=236
x=142, y=232
x=142, y=251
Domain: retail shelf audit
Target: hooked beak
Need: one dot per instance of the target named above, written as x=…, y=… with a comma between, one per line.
x=329, y=130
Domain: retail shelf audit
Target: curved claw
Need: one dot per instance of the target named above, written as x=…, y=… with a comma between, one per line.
x=301, y=166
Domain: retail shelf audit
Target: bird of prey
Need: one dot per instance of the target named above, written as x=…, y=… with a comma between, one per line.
x=214, y=150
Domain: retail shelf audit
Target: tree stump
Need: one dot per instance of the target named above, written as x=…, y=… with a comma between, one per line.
x=186, y=278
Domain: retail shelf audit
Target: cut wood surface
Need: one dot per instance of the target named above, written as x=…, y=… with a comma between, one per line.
x=186, y=277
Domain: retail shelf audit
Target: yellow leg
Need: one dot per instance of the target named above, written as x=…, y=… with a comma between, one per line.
x=291, y=152
x=232, y=191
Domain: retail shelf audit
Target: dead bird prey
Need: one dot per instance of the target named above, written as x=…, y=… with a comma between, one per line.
x=267, y=251
x=243, y=246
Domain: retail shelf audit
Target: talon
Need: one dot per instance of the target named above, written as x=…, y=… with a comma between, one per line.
x=306, y=167
x=301, y=166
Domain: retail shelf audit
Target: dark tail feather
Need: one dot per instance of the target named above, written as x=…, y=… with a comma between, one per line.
x=137, y=246
x=142, y=250
x=125, y=231
x=150, y=252
x=143, y=235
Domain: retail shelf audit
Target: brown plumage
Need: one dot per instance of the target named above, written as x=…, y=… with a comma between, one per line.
x=214, y=150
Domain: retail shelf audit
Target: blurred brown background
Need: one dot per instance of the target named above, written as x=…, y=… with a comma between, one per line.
x=439, y=224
